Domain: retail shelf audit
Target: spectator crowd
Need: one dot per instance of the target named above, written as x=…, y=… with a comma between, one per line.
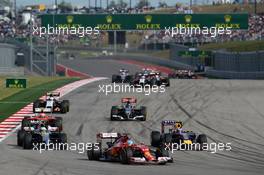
x=11, y=27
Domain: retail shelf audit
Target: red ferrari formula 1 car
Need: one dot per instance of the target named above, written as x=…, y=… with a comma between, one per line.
x=120, y=148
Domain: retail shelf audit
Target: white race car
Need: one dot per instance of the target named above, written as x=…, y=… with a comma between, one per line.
x=51, y=104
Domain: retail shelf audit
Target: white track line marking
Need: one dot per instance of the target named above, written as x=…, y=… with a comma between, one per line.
x=5, y=129
x=16, y=117
x=7, y=126
x=21, y=115
x=10, y=123
x=4, y=132
x=13, y=119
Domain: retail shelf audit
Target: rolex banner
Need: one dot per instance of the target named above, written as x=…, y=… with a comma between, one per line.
x=145, y=21
x=194, y=53
x=16, y=83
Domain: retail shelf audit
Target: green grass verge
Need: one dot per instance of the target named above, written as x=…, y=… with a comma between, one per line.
x=235, y=46
x=13, y=103
x=31, y=82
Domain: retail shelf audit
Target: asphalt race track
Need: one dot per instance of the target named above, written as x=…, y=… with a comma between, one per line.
x=226, y=110
x=101, y=66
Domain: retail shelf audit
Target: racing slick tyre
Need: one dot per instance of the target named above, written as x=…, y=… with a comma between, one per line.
x=155, y=138
x=167, y=138
x=201, y=139
x=25, y=122
x=167, y=80
x=114, y=111
x=63, y=138
x=94, y=154
x=128, y=79
x=27, y=144
x=36, y=104
x=125, y=155
x=58, y=123
x=63, y=107
x=143, y=112
x=153, y=82
x=162, y=152
x=114, y=78
x=20, y=137
x=67, y=102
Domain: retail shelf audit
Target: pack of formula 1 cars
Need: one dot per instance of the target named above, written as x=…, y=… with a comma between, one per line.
x=42, y=126
x=183, y=74
x=152, y=77
x=145, y=77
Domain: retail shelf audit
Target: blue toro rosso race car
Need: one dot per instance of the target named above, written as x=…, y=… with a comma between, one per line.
x=176, y=135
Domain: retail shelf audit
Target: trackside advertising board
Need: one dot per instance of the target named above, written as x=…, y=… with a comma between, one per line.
x=194, y=53
x=145, y=21
x=16, y=83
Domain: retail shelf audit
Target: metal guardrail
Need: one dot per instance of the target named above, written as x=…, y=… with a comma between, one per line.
x=234, y=75
x=231, y=65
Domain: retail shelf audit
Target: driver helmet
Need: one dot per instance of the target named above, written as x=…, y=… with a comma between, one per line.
x=130, y=142
x=128, y=104
x=42, y=127
x=42, y=115
x=179, y=130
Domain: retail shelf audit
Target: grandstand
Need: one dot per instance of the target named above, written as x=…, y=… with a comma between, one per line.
x=140, y=40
